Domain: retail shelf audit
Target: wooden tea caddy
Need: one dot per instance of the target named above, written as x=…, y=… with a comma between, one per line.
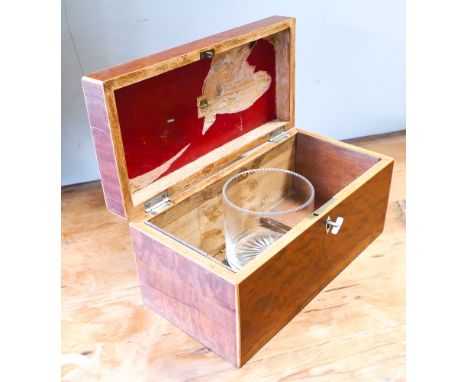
x=170, y=129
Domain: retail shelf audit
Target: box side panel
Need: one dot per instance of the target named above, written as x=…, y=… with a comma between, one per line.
x=271, y=296
x=99, y=123
x=192, y=298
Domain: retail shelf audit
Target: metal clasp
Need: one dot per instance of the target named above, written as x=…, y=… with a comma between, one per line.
x=334, y=226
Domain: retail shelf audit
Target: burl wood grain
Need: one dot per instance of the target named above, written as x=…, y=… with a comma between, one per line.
x=280, y=288
x=100, y=128
x=194, y=299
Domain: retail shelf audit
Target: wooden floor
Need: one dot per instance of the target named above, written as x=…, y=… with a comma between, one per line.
x=353, y=331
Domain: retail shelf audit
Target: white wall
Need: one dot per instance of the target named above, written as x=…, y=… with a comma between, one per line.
x=350, y=68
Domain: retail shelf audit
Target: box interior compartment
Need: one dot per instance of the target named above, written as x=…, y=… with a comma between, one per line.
x=198, y=220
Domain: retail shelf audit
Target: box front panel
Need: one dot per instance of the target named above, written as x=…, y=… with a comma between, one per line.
x=191, y=297
x=272, y=295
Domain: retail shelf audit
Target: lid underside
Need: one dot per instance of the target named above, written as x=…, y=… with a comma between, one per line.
x=172, y=119
x=169, y=111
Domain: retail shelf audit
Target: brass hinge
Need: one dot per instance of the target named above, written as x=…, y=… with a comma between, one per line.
x=278, y=135
x=158, y=204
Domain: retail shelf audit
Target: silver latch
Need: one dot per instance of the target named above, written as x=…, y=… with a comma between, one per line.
x=158, y=203
x=334, y=226
x=278, y=135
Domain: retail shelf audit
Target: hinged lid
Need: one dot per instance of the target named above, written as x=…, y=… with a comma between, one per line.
x=161, y=122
